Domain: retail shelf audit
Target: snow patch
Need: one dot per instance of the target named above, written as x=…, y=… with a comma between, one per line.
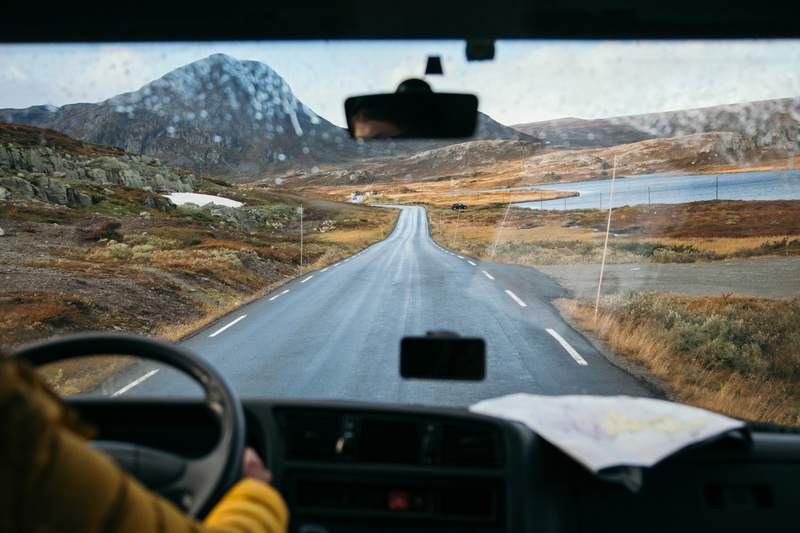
x=180, y=198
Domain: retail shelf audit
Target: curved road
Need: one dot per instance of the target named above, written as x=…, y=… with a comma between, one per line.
x=335, y=333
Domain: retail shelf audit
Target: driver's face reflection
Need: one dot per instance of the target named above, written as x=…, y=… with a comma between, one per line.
x=365, y=128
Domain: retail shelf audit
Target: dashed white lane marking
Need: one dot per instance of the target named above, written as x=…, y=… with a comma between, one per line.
x=471, y=263
x=487, y=275
x=281, y=294
x=131, y=385
x=308, y=278
x=220, y=330
x=516, y=299
x=460, y=256
x=570, y=350
x=323, y=270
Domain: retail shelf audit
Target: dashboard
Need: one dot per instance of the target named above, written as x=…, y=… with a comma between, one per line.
x=385, y=468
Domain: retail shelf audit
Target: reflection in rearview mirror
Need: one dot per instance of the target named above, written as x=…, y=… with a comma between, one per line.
x=415, y=113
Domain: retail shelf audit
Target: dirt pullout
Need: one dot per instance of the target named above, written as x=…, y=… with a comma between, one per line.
x=758, y=278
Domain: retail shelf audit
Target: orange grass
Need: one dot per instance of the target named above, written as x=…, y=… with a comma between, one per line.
x=692, y=381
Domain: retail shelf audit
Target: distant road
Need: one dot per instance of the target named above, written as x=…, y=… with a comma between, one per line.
x=335, y=333
x=772, y=277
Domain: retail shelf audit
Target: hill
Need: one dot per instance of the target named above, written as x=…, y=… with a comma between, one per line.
x=745, y=118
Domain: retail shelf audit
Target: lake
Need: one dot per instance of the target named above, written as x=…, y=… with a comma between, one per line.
x=674, y=188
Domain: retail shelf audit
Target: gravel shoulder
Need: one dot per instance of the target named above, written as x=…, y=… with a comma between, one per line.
x=758, y=278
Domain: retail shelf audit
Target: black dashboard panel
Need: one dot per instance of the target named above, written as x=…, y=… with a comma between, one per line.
x=379, y=468
x=385, y=468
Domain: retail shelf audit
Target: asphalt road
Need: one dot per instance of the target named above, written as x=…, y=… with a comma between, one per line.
x=335, y=333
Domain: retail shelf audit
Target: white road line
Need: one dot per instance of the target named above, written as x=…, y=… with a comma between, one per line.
x=516, y=299
x=308, y=278
x=281, y=294
x=323, y=270
x=220, y=330
x=487, y=275
x=460, y=256
x=129, y=386
x=471, y=263
x=570, y=350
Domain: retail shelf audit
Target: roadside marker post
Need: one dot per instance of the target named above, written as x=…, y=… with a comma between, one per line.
x=605, y=247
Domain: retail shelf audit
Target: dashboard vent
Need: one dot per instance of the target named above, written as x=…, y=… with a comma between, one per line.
x=311, y=437
x=389, y=441
x=464, y=445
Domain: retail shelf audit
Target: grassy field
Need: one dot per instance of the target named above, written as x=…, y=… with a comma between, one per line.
x=736, y=356
x=681, y=233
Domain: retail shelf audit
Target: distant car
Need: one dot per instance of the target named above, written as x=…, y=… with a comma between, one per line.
x=456, y=207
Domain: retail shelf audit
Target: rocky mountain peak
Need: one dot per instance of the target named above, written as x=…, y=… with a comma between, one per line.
x=217, y=91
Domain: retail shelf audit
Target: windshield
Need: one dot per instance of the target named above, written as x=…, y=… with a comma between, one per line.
x=625, y=220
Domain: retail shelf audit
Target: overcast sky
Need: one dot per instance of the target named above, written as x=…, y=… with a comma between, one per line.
x=527, y=81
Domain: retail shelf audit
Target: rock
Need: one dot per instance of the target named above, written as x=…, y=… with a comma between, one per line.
x=162, y=204
x=144, y=214
x=97, y=174
x=79, y=198
x=52, y=190
x=18, y=185
x=2, y=233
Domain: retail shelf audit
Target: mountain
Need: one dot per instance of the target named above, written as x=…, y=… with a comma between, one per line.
x=744, y=118
x=224, y=117
x=218, y=115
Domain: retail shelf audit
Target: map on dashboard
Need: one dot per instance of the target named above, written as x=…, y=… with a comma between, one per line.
x=611, y=435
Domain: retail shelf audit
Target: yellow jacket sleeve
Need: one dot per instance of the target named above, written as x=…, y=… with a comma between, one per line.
x=249, y=506
x=51, y=481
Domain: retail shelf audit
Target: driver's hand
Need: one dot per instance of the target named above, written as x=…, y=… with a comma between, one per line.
x=253, y=466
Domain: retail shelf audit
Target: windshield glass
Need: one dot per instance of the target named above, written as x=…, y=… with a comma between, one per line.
x=625, y=220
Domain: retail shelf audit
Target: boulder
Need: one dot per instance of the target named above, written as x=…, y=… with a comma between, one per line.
x=17, y=185
x=79, y=198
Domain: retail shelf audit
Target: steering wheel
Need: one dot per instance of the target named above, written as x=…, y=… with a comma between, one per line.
x=194, y=484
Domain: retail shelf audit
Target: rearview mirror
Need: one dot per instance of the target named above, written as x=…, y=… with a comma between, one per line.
x=413, y=112
x=443, y=357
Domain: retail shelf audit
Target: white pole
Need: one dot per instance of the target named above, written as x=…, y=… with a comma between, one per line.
x=301, y=239
x=605, y=247
x=501, y=226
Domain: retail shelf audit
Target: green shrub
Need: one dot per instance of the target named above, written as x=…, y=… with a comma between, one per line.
x=748, y=336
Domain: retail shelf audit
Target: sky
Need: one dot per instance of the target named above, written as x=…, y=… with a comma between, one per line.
x=528, y=81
